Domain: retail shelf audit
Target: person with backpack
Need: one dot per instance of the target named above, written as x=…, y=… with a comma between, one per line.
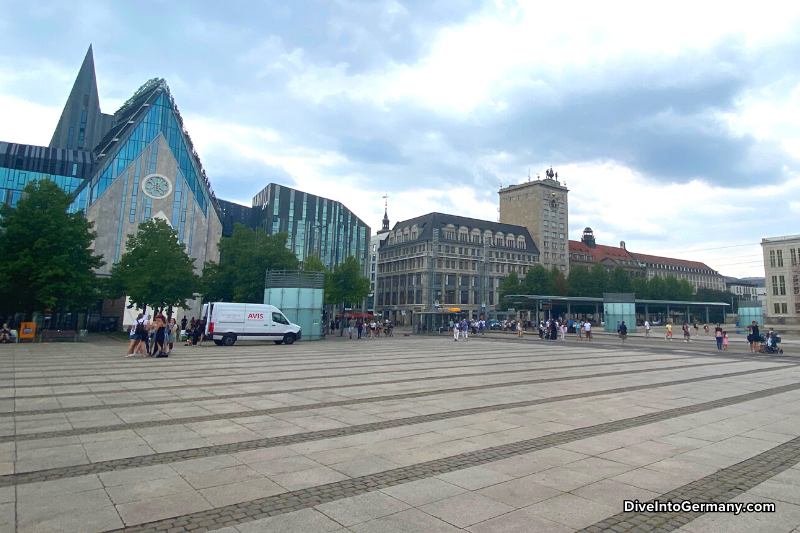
x=136, y=332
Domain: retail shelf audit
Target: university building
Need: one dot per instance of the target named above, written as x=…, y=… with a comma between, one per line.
x=588, y=253
x=122, y=170
x=439, y=263
x=782, y=270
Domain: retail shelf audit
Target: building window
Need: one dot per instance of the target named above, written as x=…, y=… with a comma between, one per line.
x=794, y=257
x=774, y=285
x=783, y=286
x=546, y=213
x=784, y=309
x=780, y=258
x=772, y=258
x=546, y=224
x=777, y=308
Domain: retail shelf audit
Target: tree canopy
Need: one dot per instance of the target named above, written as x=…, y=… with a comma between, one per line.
x=583, y=282
x=346, y=285
x=155, y=270
x=245, y=257
x=47, y=258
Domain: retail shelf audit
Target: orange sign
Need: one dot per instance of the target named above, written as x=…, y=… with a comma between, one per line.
x=27, y=330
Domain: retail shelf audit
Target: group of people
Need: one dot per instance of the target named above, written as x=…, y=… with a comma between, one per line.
x=157, y=337
x=554, y=329
x=461, y=328
x=363, y=328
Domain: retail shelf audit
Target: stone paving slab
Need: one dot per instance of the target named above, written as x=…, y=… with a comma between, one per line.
x=372, y=436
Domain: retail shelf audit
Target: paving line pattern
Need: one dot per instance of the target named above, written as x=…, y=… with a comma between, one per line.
x=287, y=502
x=296, y=438
x=234, y=395
x=322, y=405
x=721, y=486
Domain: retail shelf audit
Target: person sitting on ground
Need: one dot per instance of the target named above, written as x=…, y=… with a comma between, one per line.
x=5, y=334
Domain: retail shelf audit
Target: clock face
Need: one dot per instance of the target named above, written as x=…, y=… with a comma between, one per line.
x=156, y=186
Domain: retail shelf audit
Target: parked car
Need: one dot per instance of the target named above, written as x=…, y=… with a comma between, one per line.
x=494, y=324
x=227, y=322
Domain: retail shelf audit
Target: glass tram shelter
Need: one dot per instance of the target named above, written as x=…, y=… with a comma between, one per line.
x=613, y=307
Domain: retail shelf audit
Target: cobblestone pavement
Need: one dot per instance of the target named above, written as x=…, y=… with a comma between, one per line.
x=404, y=434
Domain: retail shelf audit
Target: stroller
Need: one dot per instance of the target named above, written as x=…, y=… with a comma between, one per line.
x=773, y=348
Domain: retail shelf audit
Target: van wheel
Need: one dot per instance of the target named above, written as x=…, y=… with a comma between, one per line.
x=278, y=342
x=228, y=340
x=288, y=338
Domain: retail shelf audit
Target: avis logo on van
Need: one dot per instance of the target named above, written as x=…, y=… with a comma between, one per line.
x=255, y=316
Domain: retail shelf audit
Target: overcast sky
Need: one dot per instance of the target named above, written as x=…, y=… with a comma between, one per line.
x=676, y=128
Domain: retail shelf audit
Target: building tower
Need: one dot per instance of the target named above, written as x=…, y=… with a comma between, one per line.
x=376, y=241
x=541, y=205
x=588, y=237
x=82, y=124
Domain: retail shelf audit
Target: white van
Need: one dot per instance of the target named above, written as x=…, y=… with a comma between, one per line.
x=226, y=322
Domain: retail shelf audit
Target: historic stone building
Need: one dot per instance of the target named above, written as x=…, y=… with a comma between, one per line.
x=587, y=252
x=699, y=275
x=782, y=271
x=542, y=207
x=439, y=263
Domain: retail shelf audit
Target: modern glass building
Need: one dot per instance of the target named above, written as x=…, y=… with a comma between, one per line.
x=316, y=226
x=23, y=163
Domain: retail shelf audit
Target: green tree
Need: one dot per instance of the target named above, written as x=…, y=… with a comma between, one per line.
x=347, y=285
x=47, y=260
x=620, y=280
x=680, y=290
x=600, y=281
x=657, y=288
x=558, y=283
x=685, y=291
x=245, y=257
x=155, y=269
x=313, y=264
x=579, y=281
x=537, y=281
x=639, y=287
x=509, y=285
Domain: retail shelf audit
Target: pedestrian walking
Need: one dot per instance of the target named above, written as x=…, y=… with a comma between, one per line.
x=199, y=332
x=623, y=332
x=718, y=334
x=587, y=326
x=668, y=336
x=136, y=331
x=360, y=327
x=646, y=329
x=456, y=331
x=160, y=336
x=724, y=341
x=686, y=333
x=183, y=322
x=519, y=329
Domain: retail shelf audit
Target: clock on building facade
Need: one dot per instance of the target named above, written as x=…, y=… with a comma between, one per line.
x=156, y=186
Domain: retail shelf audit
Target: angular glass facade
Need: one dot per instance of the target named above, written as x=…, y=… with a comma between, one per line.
x=22, y=163
x=316, y=226
x=155, y=114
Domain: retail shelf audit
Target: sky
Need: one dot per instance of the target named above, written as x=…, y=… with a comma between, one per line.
x=676, y=126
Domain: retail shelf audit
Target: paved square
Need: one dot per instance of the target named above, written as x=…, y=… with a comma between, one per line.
x=405, y=434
